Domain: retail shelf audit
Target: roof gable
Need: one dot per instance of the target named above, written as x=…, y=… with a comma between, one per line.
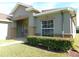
x=18, y=5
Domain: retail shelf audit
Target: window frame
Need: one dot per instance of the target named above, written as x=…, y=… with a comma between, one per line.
x=49, y=28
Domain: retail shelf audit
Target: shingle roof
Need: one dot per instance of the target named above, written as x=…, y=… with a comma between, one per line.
x=3, y=18
x=23, y=5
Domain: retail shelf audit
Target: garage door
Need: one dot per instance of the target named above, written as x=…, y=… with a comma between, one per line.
x=3, y=30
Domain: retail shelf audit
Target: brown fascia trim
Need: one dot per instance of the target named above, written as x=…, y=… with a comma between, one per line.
x=9, y=17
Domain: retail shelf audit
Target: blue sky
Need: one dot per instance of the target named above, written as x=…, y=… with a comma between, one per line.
x=6, y=6
x=50, y=5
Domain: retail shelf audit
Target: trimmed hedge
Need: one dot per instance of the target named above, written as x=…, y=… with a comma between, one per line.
x=77, y=31
x=52, y=43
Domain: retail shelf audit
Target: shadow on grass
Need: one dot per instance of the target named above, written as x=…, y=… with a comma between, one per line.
x=44, y=48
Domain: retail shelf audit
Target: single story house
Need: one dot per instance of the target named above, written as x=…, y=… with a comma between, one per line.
x=27, y=20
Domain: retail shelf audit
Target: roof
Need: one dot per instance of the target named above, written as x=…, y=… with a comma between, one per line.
x=27, y=6
x=54, y=10
x=71, y=11
x=32, y=10
x=24, y=5
x=3, y=18
x=48, y=10
x=19, y=4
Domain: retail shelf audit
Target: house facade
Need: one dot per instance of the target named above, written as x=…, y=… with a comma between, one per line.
x=28, y=21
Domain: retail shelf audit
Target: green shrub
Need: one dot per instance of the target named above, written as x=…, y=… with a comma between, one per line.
x=60, y=45
x=77, y=31
x=33, y=41
x=52, y=43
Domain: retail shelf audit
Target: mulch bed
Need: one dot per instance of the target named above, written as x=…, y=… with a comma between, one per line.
x=73, y=53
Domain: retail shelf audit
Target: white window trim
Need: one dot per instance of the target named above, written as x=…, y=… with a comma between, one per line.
x=41, y=28
x=46, y=28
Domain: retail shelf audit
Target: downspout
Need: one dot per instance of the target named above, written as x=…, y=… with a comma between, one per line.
x=62, y=18
x=71, y=24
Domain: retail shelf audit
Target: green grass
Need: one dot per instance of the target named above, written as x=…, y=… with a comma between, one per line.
x=76, y=39
x=22, y=50
x=76, y=43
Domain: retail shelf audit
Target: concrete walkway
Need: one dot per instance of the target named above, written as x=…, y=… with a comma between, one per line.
x=21, y=39
x=10, y=43
x=17, y=40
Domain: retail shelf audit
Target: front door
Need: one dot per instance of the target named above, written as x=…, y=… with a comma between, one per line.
x=21, y=28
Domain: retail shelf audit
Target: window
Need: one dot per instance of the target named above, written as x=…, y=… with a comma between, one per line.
x=47, y=28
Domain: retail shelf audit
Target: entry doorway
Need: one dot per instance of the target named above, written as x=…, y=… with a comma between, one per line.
x=22, y=27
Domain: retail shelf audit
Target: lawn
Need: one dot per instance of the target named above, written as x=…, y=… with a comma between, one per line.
x=23, y=50
x=76, y=42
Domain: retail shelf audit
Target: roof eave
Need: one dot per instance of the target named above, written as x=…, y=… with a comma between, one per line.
x=48, y=12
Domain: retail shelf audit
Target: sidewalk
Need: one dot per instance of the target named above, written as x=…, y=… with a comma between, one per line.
x=10, y=43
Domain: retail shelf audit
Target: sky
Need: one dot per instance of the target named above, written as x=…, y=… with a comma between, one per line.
x=6, y=6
